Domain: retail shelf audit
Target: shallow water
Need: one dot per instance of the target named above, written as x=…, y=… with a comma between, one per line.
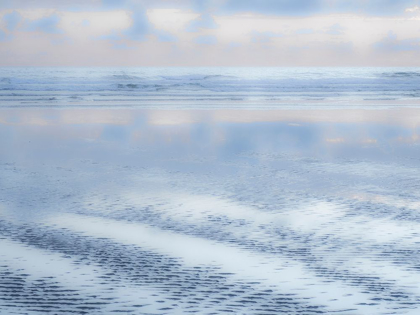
x=209, y=212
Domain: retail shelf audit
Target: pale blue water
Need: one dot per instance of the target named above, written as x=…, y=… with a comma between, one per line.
x=257, y=88
x=291, y=193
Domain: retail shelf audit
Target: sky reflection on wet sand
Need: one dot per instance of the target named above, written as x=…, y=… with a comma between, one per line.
x=210, y=211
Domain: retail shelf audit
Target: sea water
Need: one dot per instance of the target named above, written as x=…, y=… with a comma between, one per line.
x=257, y=88
x=209, y=191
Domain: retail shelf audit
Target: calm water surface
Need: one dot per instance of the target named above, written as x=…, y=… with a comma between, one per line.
x=209, y=212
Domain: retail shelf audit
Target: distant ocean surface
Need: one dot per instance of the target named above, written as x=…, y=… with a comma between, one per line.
x=197, y=88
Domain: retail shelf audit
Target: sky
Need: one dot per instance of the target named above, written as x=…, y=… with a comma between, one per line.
x=210, y=33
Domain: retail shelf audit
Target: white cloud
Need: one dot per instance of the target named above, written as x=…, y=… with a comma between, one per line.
x=413, y=9
x=171, y=20
x=332, y=39
x=36, y=14
x=79, y=25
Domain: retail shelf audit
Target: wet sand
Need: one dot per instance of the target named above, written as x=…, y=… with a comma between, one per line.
x=209, y=212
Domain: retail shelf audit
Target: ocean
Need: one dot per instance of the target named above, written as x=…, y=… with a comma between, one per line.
x=204, y=88
x=209, y=191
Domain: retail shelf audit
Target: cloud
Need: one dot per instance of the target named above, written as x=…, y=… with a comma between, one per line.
x=113, y=36
x=391, y=43
x=305, y=31
x=269, y=7
x=140, y=26
x=122, y=46
x=12, y=20
x=52, y=4
x=206, y=40
x=205, y=21
x=214, y=32
x=264, y=37
x=335, y=29
x=413, y=9
x=234, y=45
x=47, y=24
x=135, y=15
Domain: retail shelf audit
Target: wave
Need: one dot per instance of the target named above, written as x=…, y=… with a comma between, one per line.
x=248, y=84
x=5, y=81
x=404, y=74
x=124, y=77
x=198, y=77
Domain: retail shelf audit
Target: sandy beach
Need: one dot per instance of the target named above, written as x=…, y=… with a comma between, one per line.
x=167, y=212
